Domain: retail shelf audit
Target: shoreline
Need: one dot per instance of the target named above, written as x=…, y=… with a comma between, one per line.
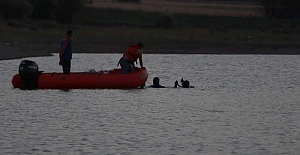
x=10, y=52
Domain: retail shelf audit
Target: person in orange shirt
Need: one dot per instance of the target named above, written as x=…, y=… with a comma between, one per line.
x=133, y=53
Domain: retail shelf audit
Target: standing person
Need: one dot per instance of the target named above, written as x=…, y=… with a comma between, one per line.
x=65, y=52
x=133, y=53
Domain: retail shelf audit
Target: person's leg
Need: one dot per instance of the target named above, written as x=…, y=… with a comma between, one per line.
x=66, y=66
x=130, y=68
x=123, y=65
x=126, y=66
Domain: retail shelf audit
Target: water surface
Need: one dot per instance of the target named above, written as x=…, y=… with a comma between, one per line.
x=241, y=104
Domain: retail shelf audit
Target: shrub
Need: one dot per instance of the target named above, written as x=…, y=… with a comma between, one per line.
x=133, y=1
x=13, y=24
x=42, y=9
x=166, y=21
x=88, y=1
x=281, y=8
x=15, y=9
x=67, y=9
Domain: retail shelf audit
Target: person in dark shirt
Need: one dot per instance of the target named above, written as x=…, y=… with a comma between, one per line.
x=184, y=84
x=156, y=83
x=65, y=52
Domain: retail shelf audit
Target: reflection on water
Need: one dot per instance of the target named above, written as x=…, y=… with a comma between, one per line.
x=241, y=104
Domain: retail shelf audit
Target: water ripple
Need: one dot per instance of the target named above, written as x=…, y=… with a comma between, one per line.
x=241, y=104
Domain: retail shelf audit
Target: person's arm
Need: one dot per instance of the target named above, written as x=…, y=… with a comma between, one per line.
x=61, y=53
x=140, y=53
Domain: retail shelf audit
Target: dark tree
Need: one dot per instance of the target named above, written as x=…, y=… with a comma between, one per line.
x=15, y=9
x=66, y=10
x=133, y=1
x=281, y=8
x=43, y=9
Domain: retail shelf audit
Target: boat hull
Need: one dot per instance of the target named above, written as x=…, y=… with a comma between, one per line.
x=111, y=79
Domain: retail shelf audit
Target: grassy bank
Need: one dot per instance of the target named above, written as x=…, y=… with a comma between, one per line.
x=138, y=18
x=49, y=32
x=110, y=25
x=109, y=30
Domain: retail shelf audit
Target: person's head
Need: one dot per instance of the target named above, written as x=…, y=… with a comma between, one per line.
x=156, y=81
x=185, y=84
x=140, y=44
x=70, y=33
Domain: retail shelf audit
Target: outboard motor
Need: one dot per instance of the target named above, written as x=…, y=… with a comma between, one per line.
x=29, y=73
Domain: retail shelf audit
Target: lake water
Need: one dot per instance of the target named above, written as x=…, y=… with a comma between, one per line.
x=241, y=104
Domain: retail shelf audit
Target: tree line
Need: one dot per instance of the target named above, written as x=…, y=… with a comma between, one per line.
x=62, y=10
x=281, y=8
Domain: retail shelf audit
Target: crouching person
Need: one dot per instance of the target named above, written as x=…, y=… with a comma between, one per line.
x=133, y=53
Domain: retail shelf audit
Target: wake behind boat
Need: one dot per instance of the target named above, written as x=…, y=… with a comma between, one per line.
x=30, y=77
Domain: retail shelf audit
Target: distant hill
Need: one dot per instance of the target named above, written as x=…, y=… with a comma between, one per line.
x=225, y=1
x=219, y=0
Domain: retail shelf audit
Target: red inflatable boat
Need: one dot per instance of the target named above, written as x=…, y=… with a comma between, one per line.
x=30, y=78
